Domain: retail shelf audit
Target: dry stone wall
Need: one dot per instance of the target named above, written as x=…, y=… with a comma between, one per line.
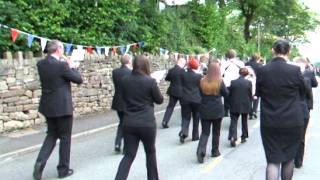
x=20, y=89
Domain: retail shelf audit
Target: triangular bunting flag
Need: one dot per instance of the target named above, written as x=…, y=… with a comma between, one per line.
x=14, y=34
x=43, y=42
x=122, y=50
x=134, y=47
x=30, y=40
x=114, y=50
x=89, y=50
x=106, y=51
x=68, y=48
x=98, y=49
x=141, y=44
x=127, y=48
x=79, y=47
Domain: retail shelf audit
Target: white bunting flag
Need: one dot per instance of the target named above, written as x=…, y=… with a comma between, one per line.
x=43, y=42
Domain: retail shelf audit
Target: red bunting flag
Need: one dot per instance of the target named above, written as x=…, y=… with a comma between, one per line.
x=89, y=50
x=134, y=47
x=114, y=50
x=14, y=34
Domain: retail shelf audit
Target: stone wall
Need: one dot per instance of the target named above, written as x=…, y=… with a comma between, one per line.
x=20, y=88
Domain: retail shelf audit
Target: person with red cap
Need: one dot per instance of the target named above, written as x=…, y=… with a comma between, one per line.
x=190, y=101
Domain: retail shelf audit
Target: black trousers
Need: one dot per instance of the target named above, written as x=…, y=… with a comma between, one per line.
x=226, y=104
x=172, y=103
x=132, y=137
x=206, y=126
x=234, y=125
x=188, y=110
x=255, y=103
x=119, y=135
x=298, y=160
x=58, y=128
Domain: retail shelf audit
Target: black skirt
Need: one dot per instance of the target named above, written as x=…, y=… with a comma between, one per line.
x=281, y=144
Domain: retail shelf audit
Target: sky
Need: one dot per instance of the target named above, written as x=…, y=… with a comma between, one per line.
x=312, y=49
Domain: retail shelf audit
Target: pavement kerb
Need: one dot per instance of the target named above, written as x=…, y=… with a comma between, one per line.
x=33, y=148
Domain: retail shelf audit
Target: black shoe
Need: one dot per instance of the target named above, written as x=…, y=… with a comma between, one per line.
x=200, y=157
x=233, y=142
x=195, y=138
x=243, y=140
x=298, y=165
x=182, y=137
x=64, y=175
x=117, y=149
x=37, y=172
x=165, y=125
x=250, y=117
x=255, y=116
x=215, y=153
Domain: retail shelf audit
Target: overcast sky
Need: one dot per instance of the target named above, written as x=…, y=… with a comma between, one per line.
x=312, y=49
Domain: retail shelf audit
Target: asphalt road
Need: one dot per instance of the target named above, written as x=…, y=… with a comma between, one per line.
x=93, y=157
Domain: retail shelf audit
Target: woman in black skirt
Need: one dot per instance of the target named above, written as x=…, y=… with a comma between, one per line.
x=139, y=92
x=281, y=88
x=211, y=110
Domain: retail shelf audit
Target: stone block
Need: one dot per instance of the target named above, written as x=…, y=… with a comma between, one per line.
x=36, y=93
x=30, y=107
x=12, y=125
x=1, y=126
x=11, y=99
x=28, y=93
x=3, y=85
x=4, y=118
x=27, y=124
x=32, y=85
x=20, y=116
x=9, y=109
x=24, y=102
x=17, y=92
x=33, y=114
x=11, y=80
x=35, y=100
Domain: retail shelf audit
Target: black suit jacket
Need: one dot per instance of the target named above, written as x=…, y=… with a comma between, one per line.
x=117, y=76
x=281, y=87
x=211, y=105
x=255, y=65
x=310, y=77
x=240, y=95
x=175, y=77
x=55, y=77
x=191, y=87
x=139, y=93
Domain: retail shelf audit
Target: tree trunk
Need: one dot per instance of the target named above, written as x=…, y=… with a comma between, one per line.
x=246, y=30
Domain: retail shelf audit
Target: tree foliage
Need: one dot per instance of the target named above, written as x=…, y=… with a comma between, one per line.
x=191, y=28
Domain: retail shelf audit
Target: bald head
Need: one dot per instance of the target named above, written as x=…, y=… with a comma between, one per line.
x=181, y=62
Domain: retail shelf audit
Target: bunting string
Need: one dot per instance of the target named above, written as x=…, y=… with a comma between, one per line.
x=69, y=46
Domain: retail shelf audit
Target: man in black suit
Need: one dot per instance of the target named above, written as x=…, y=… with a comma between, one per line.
x=255, y=66
x=240, y=104
x=175, y=89
x=56, y=105
x=311, y=82
x=117, y=102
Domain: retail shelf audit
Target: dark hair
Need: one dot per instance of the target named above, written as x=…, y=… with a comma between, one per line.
x=281, y=47
x=141, y=65
x=231, y=53
x=243, y=71
x=255, y=57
